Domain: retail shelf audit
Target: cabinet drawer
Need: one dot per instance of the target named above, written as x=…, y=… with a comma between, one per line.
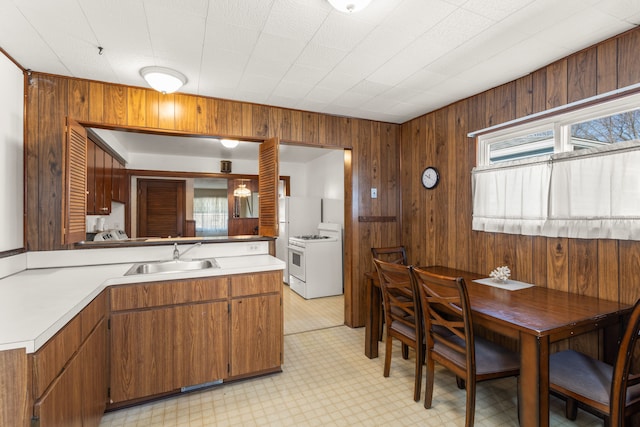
x=154, y=294
x=256, y=283
x=51, y=358
x=92, y=313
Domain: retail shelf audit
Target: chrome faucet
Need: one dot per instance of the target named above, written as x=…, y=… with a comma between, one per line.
x=177, y=254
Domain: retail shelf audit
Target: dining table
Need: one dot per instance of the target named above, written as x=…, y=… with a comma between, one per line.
x=535, y=316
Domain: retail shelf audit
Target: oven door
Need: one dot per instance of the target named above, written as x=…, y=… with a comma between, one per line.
x=296, y=262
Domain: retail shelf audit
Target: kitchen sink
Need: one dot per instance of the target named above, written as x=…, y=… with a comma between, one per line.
x=173, y=266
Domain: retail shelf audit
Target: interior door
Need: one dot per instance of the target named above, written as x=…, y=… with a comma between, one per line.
x=161, y=208
x=268, y=187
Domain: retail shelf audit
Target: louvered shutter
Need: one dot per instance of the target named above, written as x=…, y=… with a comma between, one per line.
x=75, y=183
x=268, y=187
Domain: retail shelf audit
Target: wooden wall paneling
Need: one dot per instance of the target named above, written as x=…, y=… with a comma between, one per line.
x=460, y=227
x=539, y=261
x=582, y=75
x=78, y=106
x=503, y=106
x=583, y=279
x=524, y=96
x=202, y=121
x=247, y=120
x=310, y=127
x=260, y=121
x=439, y=205
x=152, y=109
x=167, y=111
x=556, y=84
x=96, y=102
x=32, y=169
x=234, y=117
x=52, y=95
x=523, y=266
x=607, y=66
x=557, y=263
x=186, y=112
x=368, y=163
x=136, y=107
x=629, y=271
x=279, y=125
x=628, y=59
x=296, y=125
x=115, y=104
x=414, y=157
x=608, y=275
x=344, y=132
x=539, y=88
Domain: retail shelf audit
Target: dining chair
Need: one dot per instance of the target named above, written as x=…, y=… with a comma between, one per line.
x=402, y=316
x=393, y=254
x=396, y=255
x=450, y=339
x=610, y=392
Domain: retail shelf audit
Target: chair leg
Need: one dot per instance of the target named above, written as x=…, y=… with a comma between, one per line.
x=571, y=409
x=428, y=393
x=471, y=402
x=405, y=351
x=460, y=382
x=417, y=386
x=387, y=355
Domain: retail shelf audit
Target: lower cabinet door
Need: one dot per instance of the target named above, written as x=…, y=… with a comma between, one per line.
x=94, y=376
x=202, y=349
x=61, y=404
x=141, y=353
x=256, y=331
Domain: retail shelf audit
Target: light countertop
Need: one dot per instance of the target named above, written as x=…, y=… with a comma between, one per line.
x=36, y=303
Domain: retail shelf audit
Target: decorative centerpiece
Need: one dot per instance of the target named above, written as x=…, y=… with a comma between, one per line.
x=500, y=274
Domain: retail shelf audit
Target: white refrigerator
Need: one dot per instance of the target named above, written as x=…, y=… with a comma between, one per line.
x=297, y=216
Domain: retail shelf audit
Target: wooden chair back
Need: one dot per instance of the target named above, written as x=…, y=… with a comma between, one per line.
x=447, y=313
x=392, y=254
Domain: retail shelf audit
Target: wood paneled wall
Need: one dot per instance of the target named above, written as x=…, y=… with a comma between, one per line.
x=436, y=224
x=374, y=156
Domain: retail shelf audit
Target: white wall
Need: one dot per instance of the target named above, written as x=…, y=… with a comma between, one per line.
x=11, y=155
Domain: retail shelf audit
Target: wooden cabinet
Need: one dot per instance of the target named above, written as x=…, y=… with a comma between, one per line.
x=256, y=323
x=167, y=335
x=100, y=180
x=119, y=187
x=69, y=371
x=173, y=334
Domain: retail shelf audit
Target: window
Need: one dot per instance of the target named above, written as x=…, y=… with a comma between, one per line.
x=569, y=174
x=210, y=212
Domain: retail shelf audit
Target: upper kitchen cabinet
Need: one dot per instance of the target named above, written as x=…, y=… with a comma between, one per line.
x=106, y=178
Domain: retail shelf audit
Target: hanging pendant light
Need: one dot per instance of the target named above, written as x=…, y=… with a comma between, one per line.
x=242, y=191
x=349, y=6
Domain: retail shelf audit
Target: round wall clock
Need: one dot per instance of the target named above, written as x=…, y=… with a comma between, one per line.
x=430, y=177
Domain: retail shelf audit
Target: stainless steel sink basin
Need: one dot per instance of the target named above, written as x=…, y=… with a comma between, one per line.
x=173, y=266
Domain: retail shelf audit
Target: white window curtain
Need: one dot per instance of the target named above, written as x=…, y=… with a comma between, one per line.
x=592, y=193
x=211, y=215
x=511, y=197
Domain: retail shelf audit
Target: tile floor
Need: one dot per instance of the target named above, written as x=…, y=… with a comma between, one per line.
x=328, y=381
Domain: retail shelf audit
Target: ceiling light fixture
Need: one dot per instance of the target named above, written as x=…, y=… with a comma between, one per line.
x=229, y=143
x=349, y=6
x=163, y=79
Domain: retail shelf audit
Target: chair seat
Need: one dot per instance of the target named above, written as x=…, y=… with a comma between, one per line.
x=404, y=329
x=584, y=375
x=491, y=358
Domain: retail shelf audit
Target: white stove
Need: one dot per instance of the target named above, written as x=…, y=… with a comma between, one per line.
x=315, y=262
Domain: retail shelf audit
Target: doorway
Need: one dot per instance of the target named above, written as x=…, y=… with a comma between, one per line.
x=161, y=208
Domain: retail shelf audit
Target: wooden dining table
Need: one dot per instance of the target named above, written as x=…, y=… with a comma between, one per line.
x=535, y=316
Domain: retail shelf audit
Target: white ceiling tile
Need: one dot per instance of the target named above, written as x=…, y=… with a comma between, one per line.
x=393, y=61
x=291, y=19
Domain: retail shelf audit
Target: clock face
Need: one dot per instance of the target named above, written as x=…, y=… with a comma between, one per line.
x=430, y=177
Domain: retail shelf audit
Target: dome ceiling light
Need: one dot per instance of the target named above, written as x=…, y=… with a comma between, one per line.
x=349, y=6
x=229, y=143
x=163, y=79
